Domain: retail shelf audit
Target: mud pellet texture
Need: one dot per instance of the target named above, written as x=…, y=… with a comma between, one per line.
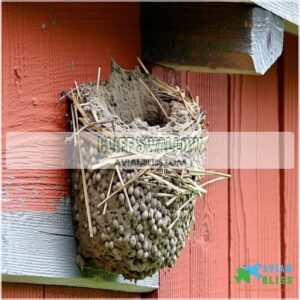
x=139, y=243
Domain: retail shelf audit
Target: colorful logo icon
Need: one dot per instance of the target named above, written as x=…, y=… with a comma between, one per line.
x=267, y=274
x=244, y=274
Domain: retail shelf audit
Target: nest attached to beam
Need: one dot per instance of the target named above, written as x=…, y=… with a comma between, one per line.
x=134, y=221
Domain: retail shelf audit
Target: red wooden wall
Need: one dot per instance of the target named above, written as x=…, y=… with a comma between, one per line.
x=46, y=46
x=251, y=218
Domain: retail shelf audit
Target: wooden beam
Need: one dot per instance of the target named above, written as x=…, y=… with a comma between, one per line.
x=40, y=247
x=287, y=9
x=230, y=38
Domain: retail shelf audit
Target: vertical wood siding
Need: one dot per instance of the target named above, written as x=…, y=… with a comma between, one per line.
x=254, y=194
x=253, y=217
x=20, y=290
x=250, y=219
x=46, y=47
x=289, y=122
x=209, y=242
x=202, y=267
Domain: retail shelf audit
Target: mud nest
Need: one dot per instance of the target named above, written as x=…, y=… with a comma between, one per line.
x=134, y=220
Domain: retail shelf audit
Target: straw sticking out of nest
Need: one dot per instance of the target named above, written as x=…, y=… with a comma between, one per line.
x=134, y=220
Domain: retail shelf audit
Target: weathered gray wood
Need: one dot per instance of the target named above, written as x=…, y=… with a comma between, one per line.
x=231, y=38
x=287, y=9
x=39, y=247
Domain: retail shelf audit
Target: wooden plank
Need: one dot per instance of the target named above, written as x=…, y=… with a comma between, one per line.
x=40, y=247
x=209, y=241
x=47, y=47
x=21, y=290
x=289, y=114
x=230, y=38
x=254, y=194
x=288, y=10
